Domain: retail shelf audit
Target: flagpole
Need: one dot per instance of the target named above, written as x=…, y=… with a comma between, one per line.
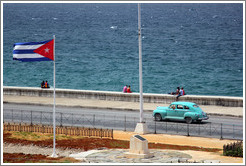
x=54, y=106
x=140, y=65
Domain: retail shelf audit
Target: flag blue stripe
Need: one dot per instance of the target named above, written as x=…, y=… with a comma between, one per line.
x=32, y=59
x=23, y=51
x=32, y=43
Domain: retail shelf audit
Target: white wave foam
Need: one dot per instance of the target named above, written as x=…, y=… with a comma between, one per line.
x=113, y=27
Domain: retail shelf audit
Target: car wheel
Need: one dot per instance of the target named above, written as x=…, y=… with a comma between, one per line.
x=188, y=120
x=158, y=117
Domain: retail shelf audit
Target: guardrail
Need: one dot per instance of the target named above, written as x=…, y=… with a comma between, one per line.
x=218, y=130
x=125, y=123
x=67, y=130
x=119, y=96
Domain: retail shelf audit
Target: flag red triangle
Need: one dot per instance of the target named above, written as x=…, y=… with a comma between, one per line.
x=46, y=50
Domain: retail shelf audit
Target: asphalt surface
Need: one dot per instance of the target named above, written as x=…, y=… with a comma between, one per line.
x=216, y=126
x=114, y=105
x=112, y=112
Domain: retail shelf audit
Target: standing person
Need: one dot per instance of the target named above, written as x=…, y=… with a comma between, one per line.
x=129, y=89
x=125, y=89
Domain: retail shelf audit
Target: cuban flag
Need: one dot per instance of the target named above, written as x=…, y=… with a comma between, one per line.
x=34, y=51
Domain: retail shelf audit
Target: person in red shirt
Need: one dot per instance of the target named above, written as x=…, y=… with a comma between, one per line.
x=129, y=89
x=183, y=90
x=46, y=85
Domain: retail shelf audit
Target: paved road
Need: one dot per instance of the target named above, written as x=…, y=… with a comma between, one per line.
x=216, y=126
x=212, y=119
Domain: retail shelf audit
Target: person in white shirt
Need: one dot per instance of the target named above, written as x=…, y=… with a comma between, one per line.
x=181, y=93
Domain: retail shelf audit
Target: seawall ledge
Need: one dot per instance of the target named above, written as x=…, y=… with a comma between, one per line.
x=120, y=96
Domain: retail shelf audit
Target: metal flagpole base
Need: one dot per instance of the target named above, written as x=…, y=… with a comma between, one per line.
x=141, y=128
x=54, y=155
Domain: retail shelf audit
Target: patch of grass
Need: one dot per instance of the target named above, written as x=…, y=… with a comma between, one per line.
x=23, y=135
x=118, y=145
x=29, y=136
x=32, y=136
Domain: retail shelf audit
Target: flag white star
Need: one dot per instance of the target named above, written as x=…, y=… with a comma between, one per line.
x=47, y=50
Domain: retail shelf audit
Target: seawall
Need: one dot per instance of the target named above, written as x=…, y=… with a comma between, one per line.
x=119, y=96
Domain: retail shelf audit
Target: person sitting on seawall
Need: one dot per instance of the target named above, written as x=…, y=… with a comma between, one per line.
x=46, y=85
x=125, y=89
x=181, y=93
x=129, y=89
x=42, y=84
x=175, y=93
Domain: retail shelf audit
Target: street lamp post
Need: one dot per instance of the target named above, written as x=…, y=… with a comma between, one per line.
x=141, y=127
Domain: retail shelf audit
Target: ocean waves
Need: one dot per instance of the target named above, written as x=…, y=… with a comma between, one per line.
x=197, y=46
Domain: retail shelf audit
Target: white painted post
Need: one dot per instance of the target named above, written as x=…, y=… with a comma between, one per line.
x=54, y=106
x=141, y=127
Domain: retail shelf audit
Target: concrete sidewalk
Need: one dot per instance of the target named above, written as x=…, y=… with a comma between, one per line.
x=118, y=105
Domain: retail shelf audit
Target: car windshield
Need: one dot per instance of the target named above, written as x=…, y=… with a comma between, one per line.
x=196, y=106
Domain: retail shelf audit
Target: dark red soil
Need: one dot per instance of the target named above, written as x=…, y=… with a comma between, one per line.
x=33, y=158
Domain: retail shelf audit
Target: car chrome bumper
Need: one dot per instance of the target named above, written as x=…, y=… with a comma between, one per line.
x=203, y=118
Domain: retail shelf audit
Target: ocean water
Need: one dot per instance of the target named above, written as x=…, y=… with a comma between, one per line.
x=195, y=46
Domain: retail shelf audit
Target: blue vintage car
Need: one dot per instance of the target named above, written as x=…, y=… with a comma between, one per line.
x=180, y=111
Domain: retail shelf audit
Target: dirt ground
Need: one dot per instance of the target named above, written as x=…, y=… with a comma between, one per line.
x=35, y=158
x=120, y=141
x=176, y=140
x=89, y=143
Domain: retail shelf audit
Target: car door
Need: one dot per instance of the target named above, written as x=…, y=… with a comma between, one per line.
x=180, y=111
